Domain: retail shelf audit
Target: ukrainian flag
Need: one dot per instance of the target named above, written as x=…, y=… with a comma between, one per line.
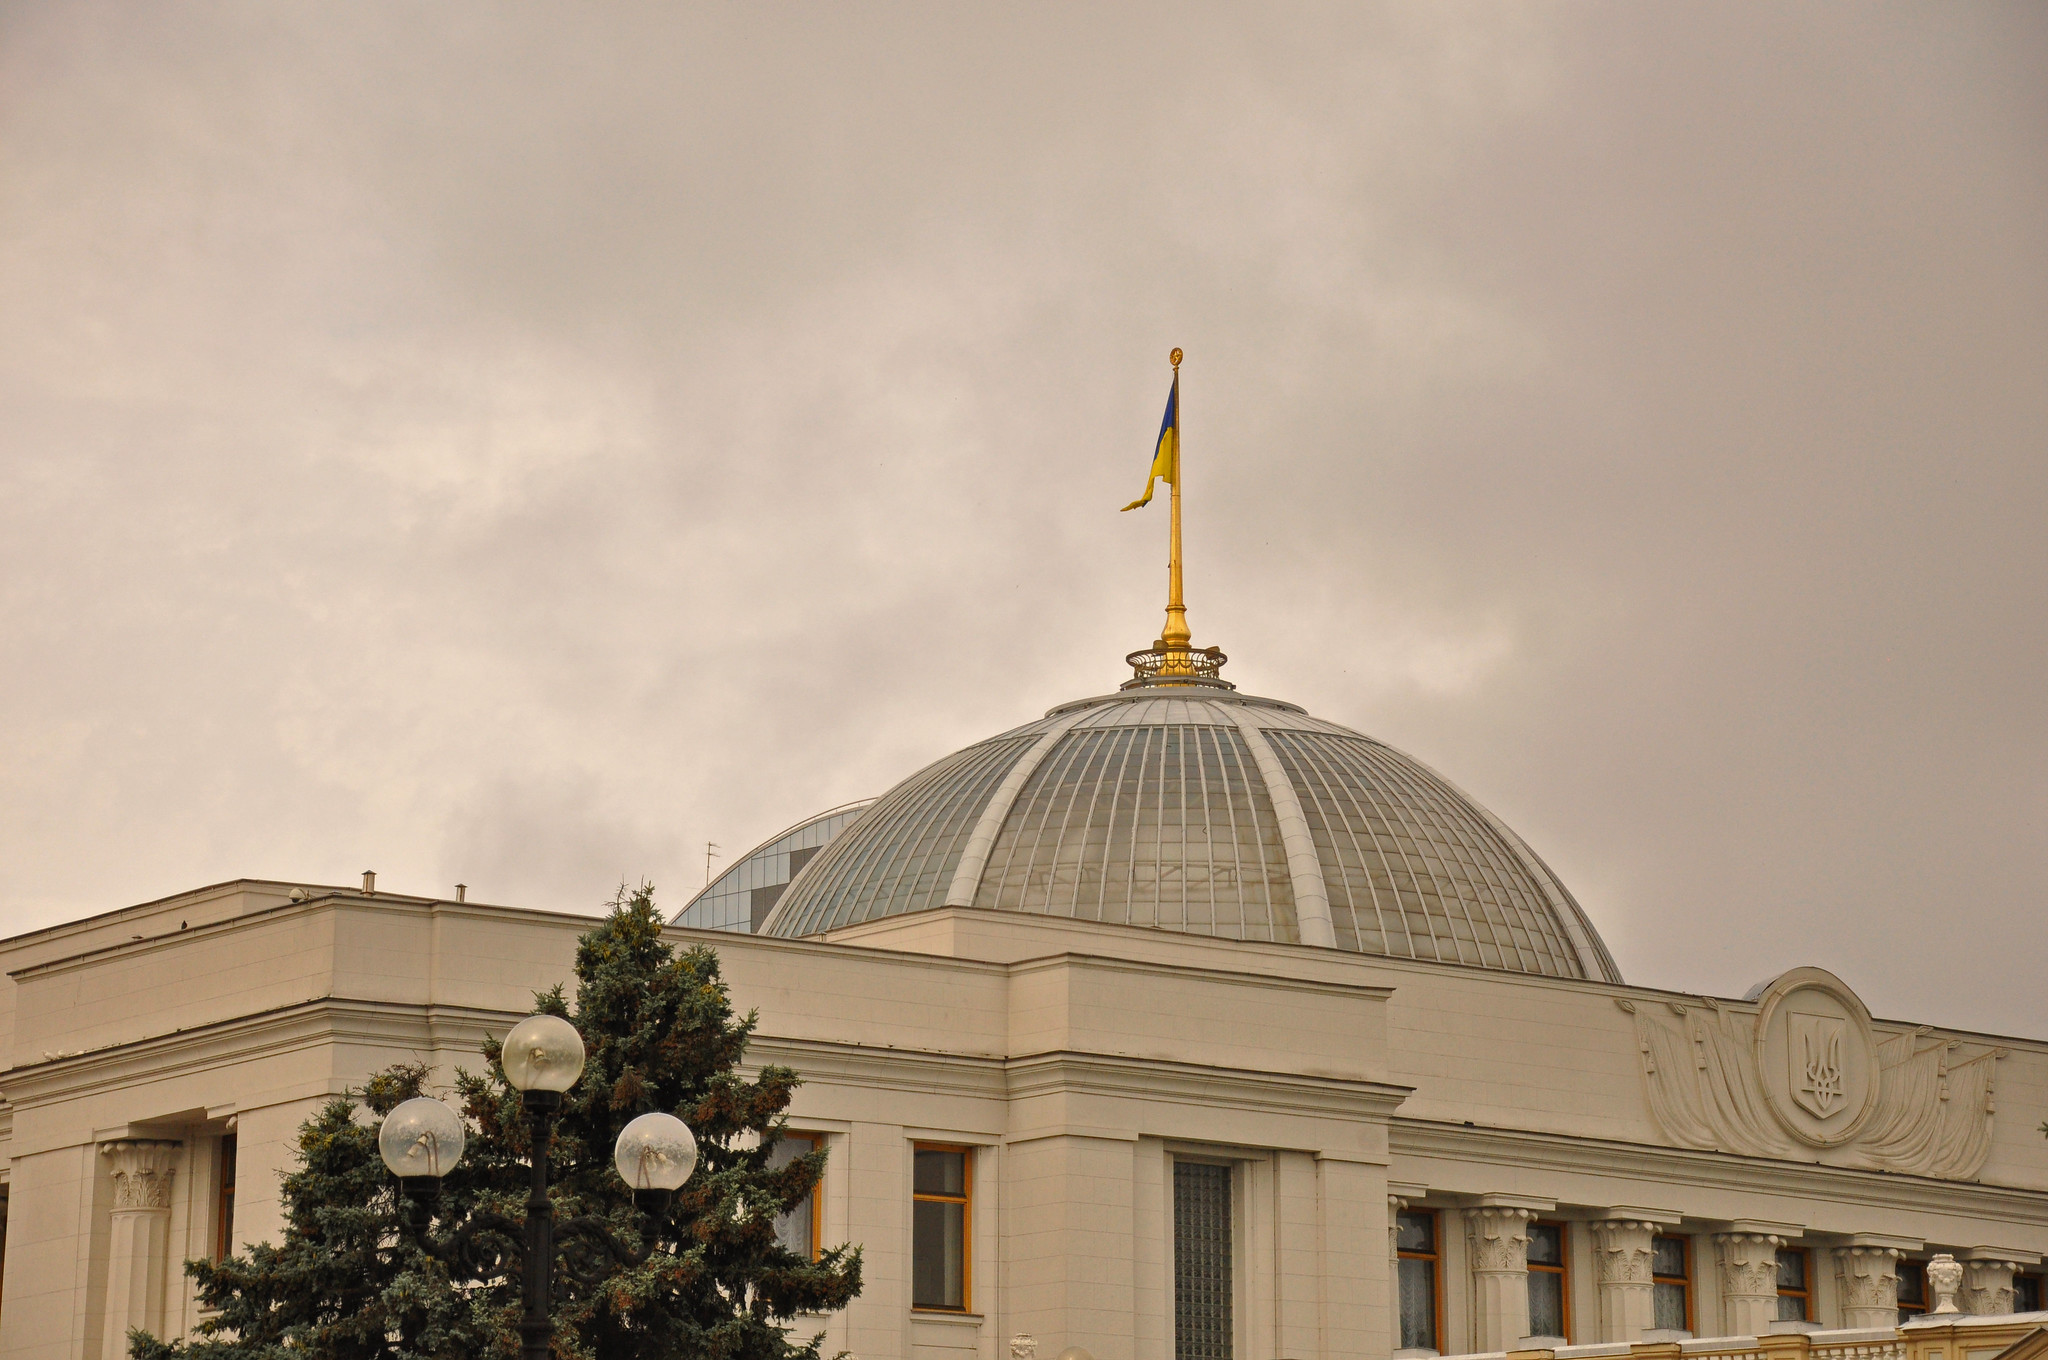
x=1166, y=454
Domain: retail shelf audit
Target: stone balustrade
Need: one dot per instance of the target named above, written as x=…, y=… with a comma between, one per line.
x=1950, y=1336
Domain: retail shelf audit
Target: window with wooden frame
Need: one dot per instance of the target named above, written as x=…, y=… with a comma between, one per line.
x=1671, y=1282
x=1912, y=1289
x=2026, y=1292
x=1421, y=1267
x=1795, y=1286
x=1550, y=1301
x=224, y=1199
x=941, y=1203
x=800, y=1228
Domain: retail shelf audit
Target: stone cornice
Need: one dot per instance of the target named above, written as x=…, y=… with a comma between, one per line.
x=910, y=1070
x=1231, y=977
x=305, y=1025
x=1065, y=1071
x=1714, y=1170
x=332, y=1020
x=1199, y=1084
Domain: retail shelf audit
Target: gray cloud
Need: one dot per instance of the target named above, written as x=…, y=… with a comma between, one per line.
x=518, y=446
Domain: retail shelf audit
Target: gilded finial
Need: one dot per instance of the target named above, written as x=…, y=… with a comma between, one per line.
x=1174, y=659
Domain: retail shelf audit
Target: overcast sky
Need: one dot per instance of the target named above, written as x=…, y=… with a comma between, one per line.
x=517, y=444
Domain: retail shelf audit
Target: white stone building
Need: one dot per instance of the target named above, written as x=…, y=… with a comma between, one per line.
x=1176, y=1025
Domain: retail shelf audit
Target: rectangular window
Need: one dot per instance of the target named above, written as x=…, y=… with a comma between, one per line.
x=1671, y=1271
x=2026, y=1293
x=224, y=1201
x=1795, y=1295
x=797, y=1229
x=1549, y=1299
x=1421, y=1264
x=939, y=1222
x=1202, y=1328
x=1912, y=1289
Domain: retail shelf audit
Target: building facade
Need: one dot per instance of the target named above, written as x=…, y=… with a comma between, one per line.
x=1176, y=1025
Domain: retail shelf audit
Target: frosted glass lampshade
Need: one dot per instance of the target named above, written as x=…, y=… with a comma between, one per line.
x=543, y=1053
x=655, y=1152
x=422, y=1137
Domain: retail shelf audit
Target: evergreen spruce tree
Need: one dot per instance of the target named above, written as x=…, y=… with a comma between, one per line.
x=346, y=1283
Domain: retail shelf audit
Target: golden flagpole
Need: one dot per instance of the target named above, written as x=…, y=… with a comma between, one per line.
x=1174, y=640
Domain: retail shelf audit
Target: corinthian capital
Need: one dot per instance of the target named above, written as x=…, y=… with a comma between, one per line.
x=1622, y=1247
x=142, y=1169
x=1749, y=1263
x=1499, y=1237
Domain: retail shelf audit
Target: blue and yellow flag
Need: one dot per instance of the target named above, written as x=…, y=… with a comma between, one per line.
x=1166, y=454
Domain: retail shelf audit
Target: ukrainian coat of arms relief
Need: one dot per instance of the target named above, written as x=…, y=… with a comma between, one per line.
x=1797, y=1070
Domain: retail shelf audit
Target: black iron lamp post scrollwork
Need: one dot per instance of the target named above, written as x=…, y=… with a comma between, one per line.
x=422, y=1140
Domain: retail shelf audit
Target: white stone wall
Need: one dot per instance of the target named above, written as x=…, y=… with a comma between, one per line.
x=1078, y=1060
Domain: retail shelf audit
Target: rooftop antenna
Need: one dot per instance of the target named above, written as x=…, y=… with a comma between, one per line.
x=710, y=849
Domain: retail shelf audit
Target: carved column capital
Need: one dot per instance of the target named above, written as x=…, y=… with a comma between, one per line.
x=1622, y=1247
x=1867, y=1278
x=1748, y=1265
x=1622, y=1259
x=1987, y=1285
x=142, y=1170
x=1500, y=1238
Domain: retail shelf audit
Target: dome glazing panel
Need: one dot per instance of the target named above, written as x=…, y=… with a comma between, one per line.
x=1207, y=812
x=1148, y=826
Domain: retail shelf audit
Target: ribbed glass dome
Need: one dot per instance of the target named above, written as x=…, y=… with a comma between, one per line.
x=1209, y=812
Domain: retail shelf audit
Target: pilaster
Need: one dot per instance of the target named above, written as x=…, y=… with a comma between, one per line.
x=1498, y=1237
x=1395, y=1204
x=1628, y=1305
x=1867, y=1278
x=139, y=1235
x=1748, y=1268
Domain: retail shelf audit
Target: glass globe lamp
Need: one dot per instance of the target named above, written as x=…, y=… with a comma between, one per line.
x=421, y=1141
x=655, y=1154
x=543, y=1056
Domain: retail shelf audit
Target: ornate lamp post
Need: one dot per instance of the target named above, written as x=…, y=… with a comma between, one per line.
x=422, y=1140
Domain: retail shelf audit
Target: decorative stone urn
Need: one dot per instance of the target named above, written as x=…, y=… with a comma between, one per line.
x=1945, y=1277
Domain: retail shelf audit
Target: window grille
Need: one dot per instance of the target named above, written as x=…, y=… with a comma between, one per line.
x=1201, y=1261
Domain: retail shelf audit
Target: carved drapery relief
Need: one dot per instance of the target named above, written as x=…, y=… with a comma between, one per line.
x=1500, y=1238
x=1806, y=1070
x=1867, y=1280
x=142, y=1170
